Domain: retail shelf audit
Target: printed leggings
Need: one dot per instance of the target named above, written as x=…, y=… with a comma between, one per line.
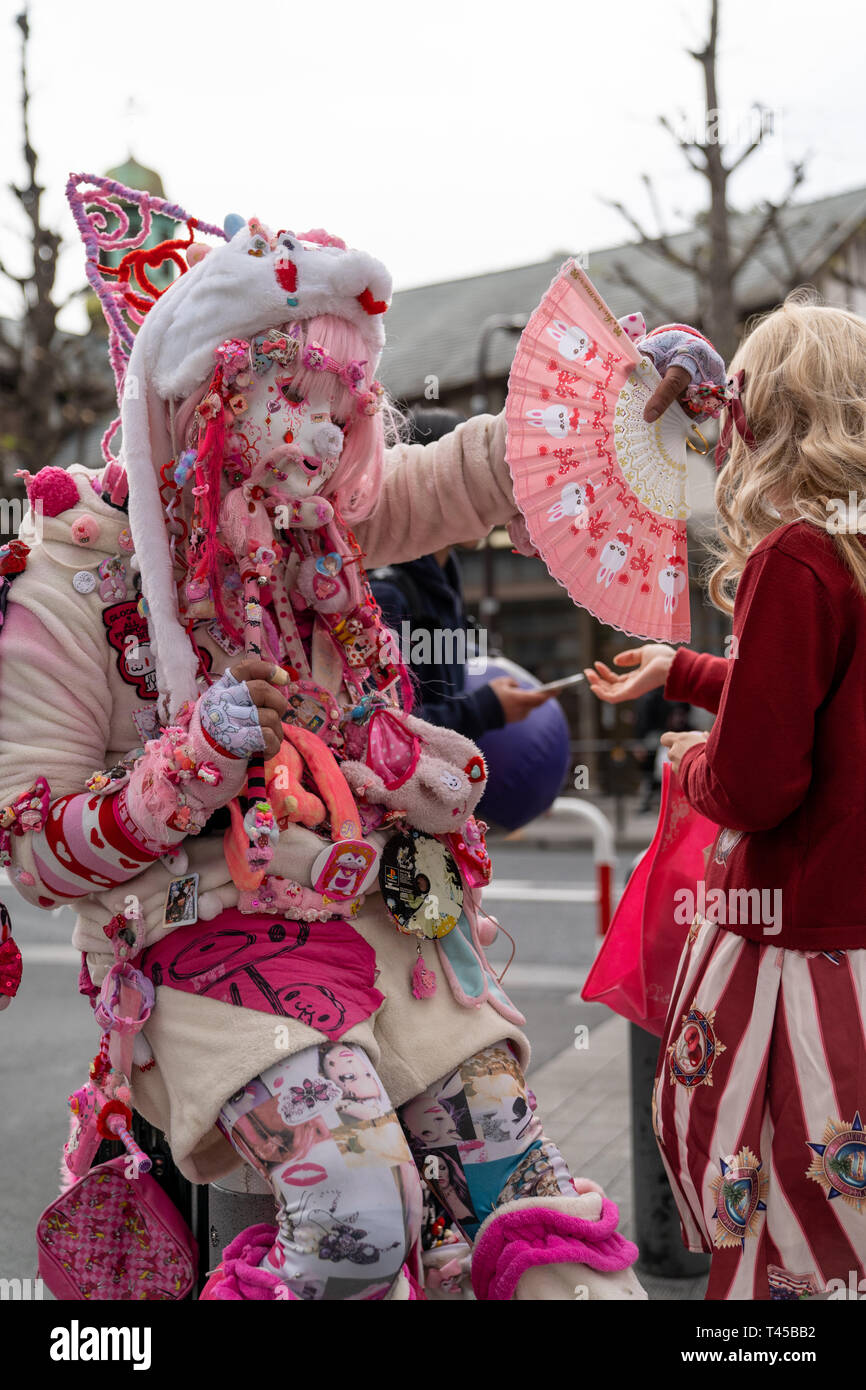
x=344, y=1165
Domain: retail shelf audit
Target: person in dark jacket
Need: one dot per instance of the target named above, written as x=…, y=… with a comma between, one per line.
x=427, y=594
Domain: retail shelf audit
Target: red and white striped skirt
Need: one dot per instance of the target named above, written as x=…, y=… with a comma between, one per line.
x=758, y=1108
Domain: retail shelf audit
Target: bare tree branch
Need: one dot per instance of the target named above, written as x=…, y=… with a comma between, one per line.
x=686, y=146
x=795, y=270
x=782, y=280
x=49, y=385
x=654, y=202
x=668, y=126
x=658, y=245
x=746, y=153
x=647, y=299
x=765, y=226
x=754, y=144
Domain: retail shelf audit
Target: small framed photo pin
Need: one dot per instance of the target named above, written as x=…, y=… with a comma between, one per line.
x=181, y=901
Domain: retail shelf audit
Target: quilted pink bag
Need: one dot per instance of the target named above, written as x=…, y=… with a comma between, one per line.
x=110, y=1237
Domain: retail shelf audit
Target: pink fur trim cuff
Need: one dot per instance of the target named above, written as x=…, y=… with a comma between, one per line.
x=520, y=1236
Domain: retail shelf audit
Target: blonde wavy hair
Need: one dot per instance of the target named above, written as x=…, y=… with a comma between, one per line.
x=804, y=396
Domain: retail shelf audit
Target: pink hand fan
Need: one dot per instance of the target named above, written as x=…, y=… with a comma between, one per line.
x=602, y=492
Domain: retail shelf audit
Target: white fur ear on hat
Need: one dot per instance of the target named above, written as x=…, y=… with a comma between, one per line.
x=146, y=447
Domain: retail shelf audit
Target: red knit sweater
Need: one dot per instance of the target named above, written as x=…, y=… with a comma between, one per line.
x=785, y=763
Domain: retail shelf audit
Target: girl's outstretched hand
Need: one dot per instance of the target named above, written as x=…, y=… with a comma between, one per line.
x=651, y=665
x=679, y=744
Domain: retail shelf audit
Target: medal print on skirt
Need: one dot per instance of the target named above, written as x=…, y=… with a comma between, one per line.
x=345, y=869
x=423, y=892
x=693, y=1052
x=739, y=1193
x=787, y=1287
x=839, y=1165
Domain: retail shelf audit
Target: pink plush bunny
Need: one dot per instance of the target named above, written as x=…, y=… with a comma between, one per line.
x=434, y=775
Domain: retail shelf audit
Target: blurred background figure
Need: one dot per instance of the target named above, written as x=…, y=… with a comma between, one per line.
x=654, y=716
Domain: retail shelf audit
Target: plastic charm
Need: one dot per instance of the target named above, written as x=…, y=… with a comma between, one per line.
x=345, y=869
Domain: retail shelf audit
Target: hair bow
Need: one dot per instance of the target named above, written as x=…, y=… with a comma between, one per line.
x=735, y=418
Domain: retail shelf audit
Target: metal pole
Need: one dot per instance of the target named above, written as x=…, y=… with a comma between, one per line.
x=496, y=323
x=241, y=1199
x=656, y=1219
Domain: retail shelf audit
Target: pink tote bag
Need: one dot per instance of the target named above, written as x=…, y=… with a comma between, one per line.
x=635, y=968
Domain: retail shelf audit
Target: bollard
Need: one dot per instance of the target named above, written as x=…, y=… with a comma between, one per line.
x=241, y=1199
x=656, y=1219
x=603, y=851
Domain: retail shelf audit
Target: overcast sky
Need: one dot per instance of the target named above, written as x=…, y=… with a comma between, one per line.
x=447, y=138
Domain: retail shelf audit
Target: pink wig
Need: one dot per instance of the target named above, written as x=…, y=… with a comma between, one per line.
x=358, y=477
x=356, y=482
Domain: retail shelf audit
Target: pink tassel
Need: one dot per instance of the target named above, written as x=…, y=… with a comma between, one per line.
x=423, y=980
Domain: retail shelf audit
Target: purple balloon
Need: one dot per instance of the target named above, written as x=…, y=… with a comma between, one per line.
x=527, y=762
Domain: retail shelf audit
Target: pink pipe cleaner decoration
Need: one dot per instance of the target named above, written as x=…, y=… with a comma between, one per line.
x=92, y=211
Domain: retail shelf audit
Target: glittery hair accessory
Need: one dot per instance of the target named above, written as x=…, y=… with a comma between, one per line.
x=277, y=345
x=352, y=376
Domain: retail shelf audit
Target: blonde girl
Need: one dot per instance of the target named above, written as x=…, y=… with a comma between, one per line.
x=763, y=1135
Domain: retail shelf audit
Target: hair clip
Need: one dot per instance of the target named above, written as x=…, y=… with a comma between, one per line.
x=735, y=418
x=274, y=346
x=352, y=376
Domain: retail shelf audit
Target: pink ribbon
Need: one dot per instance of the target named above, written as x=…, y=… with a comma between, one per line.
x=735, y=419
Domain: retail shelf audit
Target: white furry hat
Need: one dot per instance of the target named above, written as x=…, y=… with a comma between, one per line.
x=254, y=282
x=258, y=281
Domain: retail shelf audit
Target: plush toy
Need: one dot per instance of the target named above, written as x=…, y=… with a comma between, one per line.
x=436, y=779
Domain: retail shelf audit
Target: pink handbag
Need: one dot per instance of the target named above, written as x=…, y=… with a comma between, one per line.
x=635, y=968
x=110, y=1237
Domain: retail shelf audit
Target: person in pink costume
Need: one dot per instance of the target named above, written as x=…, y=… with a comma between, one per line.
x=194, y=664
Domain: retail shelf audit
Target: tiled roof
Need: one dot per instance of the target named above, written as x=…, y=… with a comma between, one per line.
x=434, y=329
